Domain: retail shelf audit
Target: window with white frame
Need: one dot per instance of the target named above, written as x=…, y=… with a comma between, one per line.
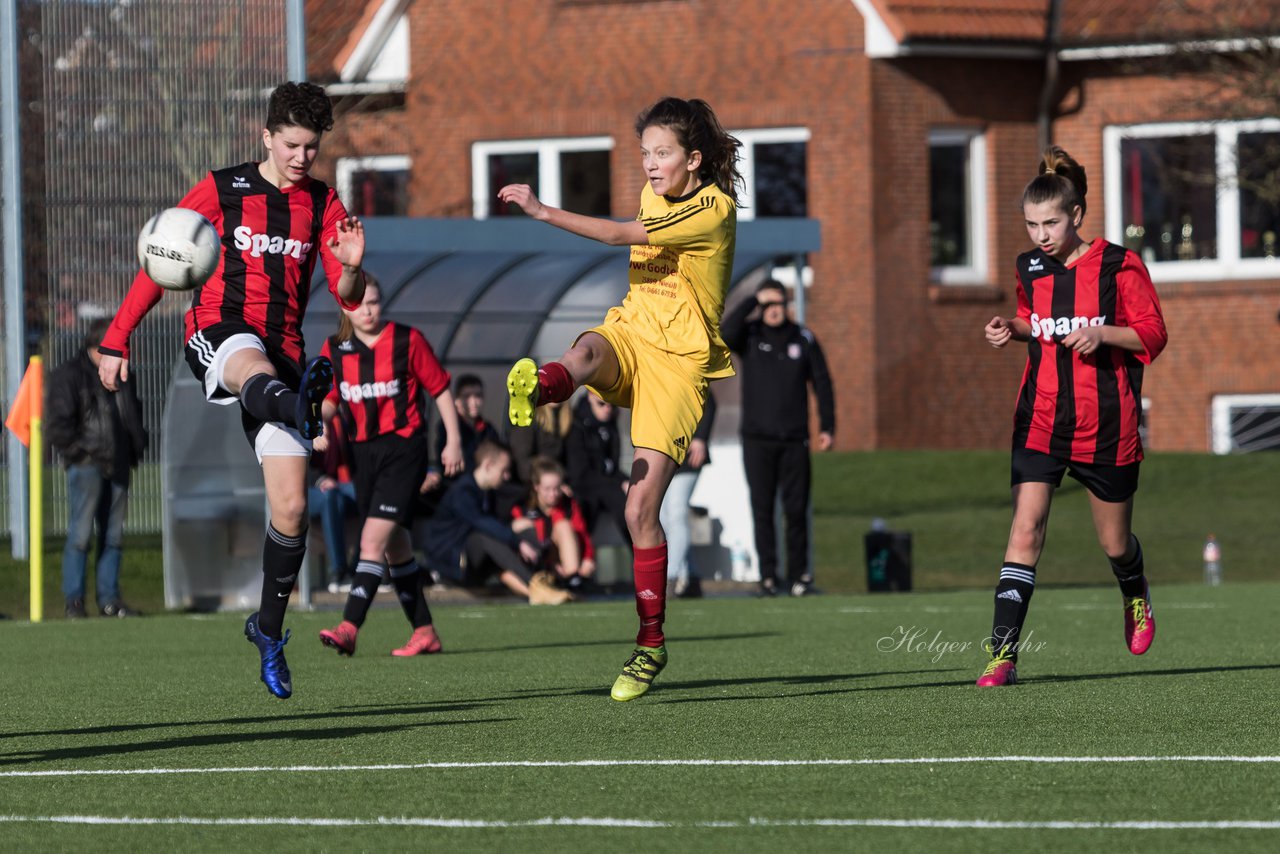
x=1245, y=422
x=374, y=186
x=774, y=167
x=1196, y=200
x=957, y=206
x=571, y=173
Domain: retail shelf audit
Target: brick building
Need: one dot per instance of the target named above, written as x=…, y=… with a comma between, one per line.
x=907, y=128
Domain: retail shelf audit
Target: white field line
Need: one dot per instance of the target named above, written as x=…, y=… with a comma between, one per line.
x=483, y=824
x=646, y=763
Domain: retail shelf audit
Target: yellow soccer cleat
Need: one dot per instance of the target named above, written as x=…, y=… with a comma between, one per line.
x=638, y=673
x=522, y=385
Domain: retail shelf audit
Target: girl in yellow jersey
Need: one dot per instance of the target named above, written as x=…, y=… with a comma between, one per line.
x=657, y=351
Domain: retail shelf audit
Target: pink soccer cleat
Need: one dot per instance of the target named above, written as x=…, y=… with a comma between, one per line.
x=1139, y=622
x=424, y=641
x=343, y=638
x=1002, y=670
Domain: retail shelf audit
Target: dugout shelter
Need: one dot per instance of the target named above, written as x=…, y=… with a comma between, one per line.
x=484, y=293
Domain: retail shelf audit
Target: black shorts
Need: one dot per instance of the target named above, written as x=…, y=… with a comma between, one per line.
x=201, y=347
x=1107, y=482
x=387, y=472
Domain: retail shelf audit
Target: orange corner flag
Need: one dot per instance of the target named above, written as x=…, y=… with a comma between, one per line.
x=28, y=406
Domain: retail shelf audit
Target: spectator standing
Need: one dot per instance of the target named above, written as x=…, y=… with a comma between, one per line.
x=780, y=361
x=593, y=451
x=100, y=436
x=675, y=508
x=332, y=497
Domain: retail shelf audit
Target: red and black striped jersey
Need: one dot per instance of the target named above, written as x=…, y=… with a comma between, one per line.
x=378, y=389
x=271, y=238
x=1085, y=408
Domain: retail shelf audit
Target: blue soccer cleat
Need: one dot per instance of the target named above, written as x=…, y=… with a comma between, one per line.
x=275, y=670
x=317, y=380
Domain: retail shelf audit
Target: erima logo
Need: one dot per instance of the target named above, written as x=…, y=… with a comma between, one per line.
x=347, y=346
x=1012, y=595
x=239, y=183
x=259, y=244
x=1048, y=327
x=1034, y=264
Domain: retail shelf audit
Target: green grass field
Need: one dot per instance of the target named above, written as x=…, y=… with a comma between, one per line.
x=766, y=732
x=955, y=504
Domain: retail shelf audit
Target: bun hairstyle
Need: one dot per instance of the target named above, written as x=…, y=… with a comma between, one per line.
x=1060, y=179
x=696, y=128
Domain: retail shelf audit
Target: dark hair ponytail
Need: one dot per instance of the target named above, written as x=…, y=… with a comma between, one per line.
x=697, y=129
x=1061, y=179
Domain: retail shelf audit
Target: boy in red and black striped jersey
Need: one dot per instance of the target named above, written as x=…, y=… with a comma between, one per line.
x=381, y=370
x=1092, y=321
x=243, y=330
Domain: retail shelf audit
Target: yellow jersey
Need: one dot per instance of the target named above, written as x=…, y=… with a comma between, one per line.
x=680, y=278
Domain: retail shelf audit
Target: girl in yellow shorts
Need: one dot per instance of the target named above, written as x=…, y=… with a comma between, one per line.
x=657, y=351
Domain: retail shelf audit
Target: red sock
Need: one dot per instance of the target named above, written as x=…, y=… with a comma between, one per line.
x=555, y=384
x=650, y=568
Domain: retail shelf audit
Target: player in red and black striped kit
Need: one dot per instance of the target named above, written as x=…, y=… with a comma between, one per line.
x=381, y=371
x=1092, y=321
x=243, y=330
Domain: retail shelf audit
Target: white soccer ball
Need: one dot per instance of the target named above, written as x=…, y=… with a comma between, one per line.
x=179, y=249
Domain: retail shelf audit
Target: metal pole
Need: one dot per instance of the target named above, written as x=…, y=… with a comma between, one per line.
x=296, y=33
x=798, y=262
x=15, y=314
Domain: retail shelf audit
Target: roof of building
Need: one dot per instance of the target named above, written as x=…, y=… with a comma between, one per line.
x=1083, y=22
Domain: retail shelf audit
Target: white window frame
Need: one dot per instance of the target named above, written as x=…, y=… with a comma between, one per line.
x=976, y=272
x=1228, y=264
x=1220, y=416
x=548, y=151
x=750, y=138
x=348, y=166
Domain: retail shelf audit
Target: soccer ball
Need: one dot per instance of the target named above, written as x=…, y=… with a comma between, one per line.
x=179, y=249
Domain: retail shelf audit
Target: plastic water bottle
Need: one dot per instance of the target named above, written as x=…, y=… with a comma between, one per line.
x=739, y=560
x=1212, y=562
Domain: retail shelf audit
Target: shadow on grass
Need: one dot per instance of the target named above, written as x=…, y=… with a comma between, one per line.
x=614, y=641
x=218, y=739
x=339, y=712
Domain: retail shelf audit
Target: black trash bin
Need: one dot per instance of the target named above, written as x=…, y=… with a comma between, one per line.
x=888, y=561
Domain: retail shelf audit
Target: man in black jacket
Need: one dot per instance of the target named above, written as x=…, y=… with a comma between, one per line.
x=779, y=360
x=593, y=451
x=100, y=437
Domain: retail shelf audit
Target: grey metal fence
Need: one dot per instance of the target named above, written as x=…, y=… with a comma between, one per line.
x=125, y=105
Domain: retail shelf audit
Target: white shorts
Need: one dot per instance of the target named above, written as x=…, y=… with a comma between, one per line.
x=271, y=439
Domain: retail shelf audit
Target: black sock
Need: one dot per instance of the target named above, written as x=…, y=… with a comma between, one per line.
x=407, y=577
x=1013, y=595
x=281, y=561
x=267, y=399
x=363, y=588
x=1129, y=571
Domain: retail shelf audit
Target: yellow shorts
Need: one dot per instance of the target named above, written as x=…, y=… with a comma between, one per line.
x=664, y=392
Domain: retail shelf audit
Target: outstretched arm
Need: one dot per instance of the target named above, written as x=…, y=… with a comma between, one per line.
x=608, y=231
